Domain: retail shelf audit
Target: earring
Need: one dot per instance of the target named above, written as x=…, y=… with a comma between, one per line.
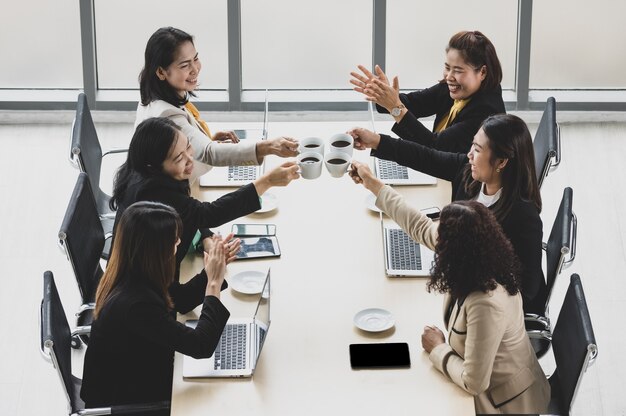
x=498, y=170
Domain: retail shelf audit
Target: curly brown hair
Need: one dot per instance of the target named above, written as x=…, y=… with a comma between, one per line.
x=472, y=253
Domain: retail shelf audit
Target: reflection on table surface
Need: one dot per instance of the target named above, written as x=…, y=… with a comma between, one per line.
x=331, y=267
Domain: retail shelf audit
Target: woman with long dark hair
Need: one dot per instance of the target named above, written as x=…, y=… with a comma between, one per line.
x=158, y=167
x=134, y=334
x=499, y=172
x=488, y=353
x=468, y=93
x=168, y=81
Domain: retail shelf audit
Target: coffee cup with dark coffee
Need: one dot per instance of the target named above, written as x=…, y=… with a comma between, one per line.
x=310, y=164
x=342, y=143
x=337, y=163
x=311, y=144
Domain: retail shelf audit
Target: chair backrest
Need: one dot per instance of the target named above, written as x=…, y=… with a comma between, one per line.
x=562, y=240
x=56, y=339
x=546, y=142
x=88, y=152
x=573, y=344
x=82, y=237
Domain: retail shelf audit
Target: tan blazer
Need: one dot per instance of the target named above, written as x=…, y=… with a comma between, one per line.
x=207, y=153
x=488, y=353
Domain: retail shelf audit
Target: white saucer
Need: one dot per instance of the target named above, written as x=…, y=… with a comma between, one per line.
x=269, y=202
x=370, y=203
x=249, y=282
x=374, y=320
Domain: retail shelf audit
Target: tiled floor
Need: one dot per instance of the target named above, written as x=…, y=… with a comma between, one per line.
x=37, y=180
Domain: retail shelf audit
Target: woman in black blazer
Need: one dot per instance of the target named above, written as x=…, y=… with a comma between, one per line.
x=468, y=93
x=498, y=171
x=158, y=168
x=134, y=334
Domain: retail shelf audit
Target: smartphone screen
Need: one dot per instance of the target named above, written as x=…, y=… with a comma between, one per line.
x=380, y=355
x=253, y=229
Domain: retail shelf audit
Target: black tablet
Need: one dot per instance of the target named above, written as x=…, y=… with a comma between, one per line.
x=258, y=247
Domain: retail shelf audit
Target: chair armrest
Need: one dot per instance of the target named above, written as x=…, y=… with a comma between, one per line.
x=539, y=334
x=127, y=409
x=542, y=320
x=81, y=330
x=108, y=216
x=42, y=347
x=557, y=159
x=113, y=151
x=85, y=307
x=572, y=254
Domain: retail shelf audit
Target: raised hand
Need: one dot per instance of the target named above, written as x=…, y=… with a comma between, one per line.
x=215, y=266
x=360, y=81
x=383, y=92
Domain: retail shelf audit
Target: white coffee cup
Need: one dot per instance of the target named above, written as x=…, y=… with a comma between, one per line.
x=310, y=164
x=342, y=143
x=337, y=170
x=311, y=144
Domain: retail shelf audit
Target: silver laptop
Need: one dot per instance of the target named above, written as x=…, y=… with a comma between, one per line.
x=239, y=347
x=235, y=176
x=391, y=173
x=403, y=256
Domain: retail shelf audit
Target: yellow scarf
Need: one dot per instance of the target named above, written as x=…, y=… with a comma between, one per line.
x=454, y=110
x=196, y=114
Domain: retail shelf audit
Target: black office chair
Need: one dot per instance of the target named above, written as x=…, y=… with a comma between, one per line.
x=547, y=143
x=574, y=347
x=86, y=153
x=561, y=244
x=82, y=238
x=55, y=347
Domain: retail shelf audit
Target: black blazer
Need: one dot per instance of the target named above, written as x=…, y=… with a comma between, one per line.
x=458, y=136
x=195, y=215
x=522, y=225
x=131, y=348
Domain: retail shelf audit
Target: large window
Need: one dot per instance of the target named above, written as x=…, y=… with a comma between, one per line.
x=40, y=45
x=304, y=44
x=578, y=44
x=418, y=32
x=123, y=29
x=304, y=50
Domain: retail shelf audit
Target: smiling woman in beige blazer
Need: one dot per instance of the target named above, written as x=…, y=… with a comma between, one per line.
x=488, y=353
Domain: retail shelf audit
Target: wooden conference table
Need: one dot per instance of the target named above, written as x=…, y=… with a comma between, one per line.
x=331, y=267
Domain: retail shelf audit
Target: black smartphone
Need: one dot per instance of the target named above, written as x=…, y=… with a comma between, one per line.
x=246, y=230
x=432, y=212
x=380, y=355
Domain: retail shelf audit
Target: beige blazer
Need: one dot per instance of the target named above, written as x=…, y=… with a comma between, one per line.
x=207, y=153
x=488, y=353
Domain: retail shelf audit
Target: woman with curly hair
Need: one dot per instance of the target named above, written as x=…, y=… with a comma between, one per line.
x=499, y=172
x=488, y=353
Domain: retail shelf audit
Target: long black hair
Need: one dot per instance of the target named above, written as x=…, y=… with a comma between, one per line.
x=160, y=53
x=510, y=139
x=143, y=251
x=149, y=147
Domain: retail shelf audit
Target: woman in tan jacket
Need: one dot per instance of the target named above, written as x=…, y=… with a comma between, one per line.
x=488, y=353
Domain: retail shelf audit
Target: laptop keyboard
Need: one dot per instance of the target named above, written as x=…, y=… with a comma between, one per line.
x=242, y=173
x=230, y=353
x=405, y=253
x=388, y=169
